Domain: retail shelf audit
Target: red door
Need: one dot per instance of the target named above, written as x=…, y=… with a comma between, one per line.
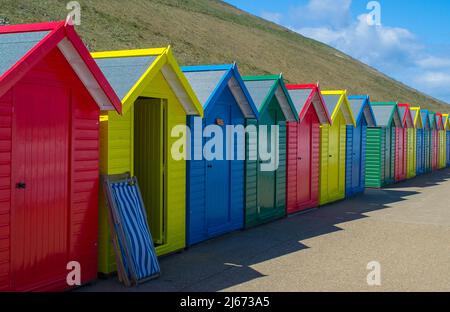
x=304, y=160
x=40, y=197
x=400, y=141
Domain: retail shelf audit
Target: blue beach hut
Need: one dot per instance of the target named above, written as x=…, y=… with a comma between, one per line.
x=216, y=185
x=356, y=144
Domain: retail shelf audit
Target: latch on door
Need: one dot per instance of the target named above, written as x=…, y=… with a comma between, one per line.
x=21, y=185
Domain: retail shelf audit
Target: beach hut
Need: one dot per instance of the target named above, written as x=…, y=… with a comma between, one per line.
x=427, y=143
x=419, y=134
x=356, y=144
x=434, y=141
x=380, y=145
x=51, y=94
x=442, y=161
x=156, y=97
x=216, y=185
x=447, y=137
x=265, y=189
x=303, y=147
x=410, y=141
x=333, y=147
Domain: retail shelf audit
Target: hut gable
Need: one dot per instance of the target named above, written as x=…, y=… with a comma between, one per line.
x=132, y=71
x=336, y=101
x=405, y=114
x=209, y=81
x=417, y=117
x=386, y=114
x=264, y=88
x=360, y=106
x=303, y=96
x=24, y=46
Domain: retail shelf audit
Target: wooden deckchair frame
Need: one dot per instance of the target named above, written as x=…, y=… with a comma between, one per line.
x=114, y=223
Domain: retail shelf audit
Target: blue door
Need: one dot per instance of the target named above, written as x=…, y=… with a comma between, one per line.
x=218, y=214
x=419, y=152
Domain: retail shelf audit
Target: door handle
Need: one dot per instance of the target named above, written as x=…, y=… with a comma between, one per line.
x=209, y=166
x=300, y=158
x=21, y=185
x=330, y=156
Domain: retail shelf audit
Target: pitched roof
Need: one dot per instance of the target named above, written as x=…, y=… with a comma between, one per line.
x=446, y=119
x=208, y=82
x=405, y=114
x=417, y=117
x=360, y=106
x=24, y=46
x=264, y=88
x=131, y=71
x=425, y=118
x=440, y=121
x=336, y=101
x=433, y=120
x=386, y=114
x=303, y=96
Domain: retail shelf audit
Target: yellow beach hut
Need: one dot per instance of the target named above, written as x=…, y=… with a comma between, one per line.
x=333, y=146
x=156, y=97
x=442, y=163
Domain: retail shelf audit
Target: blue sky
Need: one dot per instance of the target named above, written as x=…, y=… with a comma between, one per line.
x=412, y=43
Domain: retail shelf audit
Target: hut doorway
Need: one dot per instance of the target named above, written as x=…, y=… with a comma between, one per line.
x=150, y=155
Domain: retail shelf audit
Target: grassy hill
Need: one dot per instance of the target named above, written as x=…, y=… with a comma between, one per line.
x=210, y=31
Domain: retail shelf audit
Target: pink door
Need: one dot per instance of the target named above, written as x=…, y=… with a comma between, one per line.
x=40, y=185
x=304, y=161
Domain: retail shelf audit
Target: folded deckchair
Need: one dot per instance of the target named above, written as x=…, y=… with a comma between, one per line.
x=135, y=253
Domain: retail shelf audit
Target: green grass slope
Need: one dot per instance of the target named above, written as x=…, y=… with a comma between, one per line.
x=210, y=31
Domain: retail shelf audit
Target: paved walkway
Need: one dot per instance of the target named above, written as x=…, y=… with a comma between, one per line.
x=406, y=228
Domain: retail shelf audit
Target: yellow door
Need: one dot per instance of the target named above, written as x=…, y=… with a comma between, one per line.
x=149, y=161
x=334, y=160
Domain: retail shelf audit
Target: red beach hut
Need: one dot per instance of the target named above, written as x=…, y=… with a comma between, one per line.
x=303, y=147
x=51, y=94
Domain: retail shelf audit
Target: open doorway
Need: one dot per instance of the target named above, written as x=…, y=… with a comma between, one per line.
x=150, y=155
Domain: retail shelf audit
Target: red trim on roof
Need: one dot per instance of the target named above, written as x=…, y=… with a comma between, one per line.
x=93, y=67
x=315, y=90
x=407, y=113
x=31, y=58
x=58, y=31
x=9, y=29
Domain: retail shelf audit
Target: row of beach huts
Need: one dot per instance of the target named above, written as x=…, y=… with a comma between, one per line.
x=68, y=117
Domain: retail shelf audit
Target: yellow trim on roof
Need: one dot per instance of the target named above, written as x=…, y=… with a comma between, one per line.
x=418, y=118
x=447, y=121
x=343, y=98
x=129, y=53
x=164, y=56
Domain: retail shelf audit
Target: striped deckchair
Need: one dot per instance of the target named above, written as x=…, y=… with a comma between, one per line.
x=132, y=240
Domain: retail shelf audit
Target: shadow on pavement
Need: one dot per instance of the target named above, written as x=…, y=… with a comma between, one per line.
x=226, y=261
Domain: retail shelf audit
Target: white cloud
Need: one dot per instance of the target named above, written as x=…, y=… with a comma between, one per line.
x=435, y=79
x=272, y=16
x=335, y=13
x=393, y=50
x=434, y=62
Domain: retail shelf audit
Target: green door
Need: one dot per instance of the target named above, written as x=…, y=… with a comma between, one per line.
x=266, y=179
x=149, y=161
